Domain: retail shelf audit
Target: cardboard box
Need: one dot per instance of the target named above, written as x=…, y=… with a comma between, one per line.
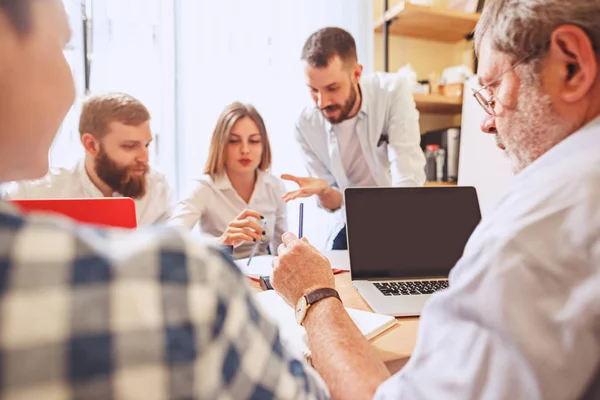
x=469, y=6
x=452, y=90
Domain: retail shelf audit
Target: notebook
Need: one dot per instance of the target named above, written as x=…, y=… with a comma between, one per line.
x=294, y=335
x=262, y=266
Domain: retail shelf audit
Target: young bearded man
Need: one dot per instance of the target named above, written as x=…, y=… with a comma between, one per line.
x=115, y=133
x=362, y=131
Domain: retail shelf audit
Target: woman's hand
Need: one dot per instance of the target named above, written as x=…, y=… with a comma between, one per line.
x=243, y=228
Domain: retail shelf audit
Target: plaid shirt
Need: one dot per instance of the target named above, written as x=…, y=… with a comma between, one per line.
x=107, y=314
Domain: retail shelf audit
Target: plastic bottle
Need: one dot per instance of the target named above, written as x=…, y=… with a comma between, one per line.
x=430, y=162
x=439, y=162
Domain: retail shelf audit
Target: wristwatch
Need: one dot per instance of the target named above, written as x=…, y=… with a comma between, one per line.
x=311, y=298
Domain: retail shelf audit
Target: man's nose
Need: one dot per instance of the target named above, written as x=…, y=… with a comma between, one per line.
x=488, y=124
x=143, y=156
x=322, y=101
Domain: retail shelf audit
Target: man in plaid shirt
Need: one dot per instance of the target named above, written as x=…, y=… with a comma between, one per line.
x=87, y=313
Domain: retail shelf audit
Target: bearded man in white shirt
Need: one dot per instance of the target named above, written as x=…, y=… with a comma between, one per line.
x=521, y=316
x=362, y=131
x=115, y=134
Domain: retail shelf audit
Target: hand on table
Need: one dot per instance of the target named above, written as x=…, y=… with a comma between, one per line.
x=299, y=269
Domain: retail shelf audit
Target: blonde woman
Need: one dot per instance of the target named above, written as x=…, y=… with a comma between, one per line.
x=238, y=200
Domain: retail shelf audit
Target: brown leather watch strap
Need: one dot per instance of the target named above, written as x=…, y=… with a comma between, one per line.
x=320, y=294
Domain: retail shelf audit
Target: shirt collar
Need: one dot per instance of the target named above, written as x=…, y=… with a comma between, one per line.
x=223, y=183
x=89, y=188
x=86, y=183
x=364, y=105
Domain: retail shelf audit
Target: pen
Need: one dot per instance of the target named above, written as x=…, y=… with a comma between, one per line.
x=301, y=221
x=264, y=225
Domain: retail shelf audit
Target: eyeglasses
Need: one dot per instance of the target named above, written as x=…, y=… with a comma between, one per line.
x=488, y=104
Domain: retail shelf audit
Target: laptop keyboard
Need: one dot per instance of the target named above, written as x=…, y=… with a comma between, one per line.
x=410, y=288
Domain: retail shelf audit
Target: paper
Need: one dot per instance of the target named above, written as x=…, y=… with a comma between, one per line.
x=294, y=335
x=262, y=266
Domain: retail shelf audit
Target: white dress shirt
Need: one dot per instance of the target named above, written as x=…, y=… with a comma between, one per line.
x=387, y=130
x=521, y=318
x=354, y=162
x=214, y=204
x=74, y=183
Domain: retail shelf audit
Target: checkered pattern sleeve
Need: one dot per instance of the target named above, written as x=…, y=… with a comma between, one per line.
x=88, y=314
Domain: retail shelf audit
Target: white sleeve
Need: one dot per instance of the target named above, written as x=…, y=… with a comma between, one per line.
x=314, y=166
x=165, y=200
x=14, y=191
x=404, y=147
x=281, y=225
x=509, y=331
x=187, y=212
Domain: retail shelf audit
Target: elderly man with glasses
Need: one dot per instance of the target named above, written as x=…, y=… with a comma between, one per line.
x=521, y=318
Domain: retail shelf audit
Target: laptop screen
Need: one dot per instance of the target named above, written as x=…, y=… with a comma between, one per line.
x=408, y=232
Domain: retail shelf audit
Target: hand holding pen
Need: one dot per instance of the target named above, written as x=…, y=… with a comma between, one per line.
x=264, y=281
x=264, y=227
x=244, y=228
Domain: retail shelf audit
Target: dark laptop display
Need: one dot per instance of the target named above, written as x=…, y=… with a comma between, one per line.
x=404, y=233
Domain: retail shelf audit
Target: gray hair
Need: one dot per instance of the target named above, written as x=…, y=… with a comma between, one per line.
x=523, y=27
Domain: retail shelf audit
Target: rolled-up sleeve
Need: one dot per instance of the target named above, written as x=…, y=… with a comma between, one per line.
x=404, y=148
x=314, y=166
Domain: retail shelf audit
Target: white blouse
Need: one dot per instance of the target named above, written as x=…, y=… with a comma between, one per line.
x=214, y=204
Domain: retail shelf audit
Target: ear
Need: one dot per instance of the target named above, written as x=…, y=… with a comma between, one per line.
x=90, y=144
x=356, y=72
x=571, y=51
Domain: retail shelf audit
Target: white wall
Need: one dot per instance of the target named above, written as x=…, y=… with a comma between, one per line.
x=481, y=164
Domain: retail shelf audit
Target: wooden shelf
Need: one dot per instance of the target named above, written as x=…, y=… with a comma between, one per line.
x=440, y=184
x=425, y=22
x=438, y=104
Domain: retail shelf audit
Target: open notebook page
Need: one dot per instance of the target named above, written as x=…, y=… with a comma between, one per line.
x=262, y=266
x=294, y=335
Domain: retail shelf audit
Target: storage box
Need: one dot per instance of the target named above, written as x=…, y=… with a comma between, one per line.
x=452, y=89
x=469, y=6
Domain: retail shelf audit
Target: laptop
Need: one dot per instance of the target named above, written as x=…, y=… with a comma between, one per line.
x=403, y=242
x=105, y=211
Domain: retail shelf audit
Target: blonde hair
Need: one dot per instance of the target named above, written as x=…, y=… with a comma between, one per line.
x=215, y=165
x=100, y=110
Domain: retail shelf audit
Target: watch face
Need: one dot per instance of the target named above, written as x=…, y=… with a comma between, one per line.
x=300, y=310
